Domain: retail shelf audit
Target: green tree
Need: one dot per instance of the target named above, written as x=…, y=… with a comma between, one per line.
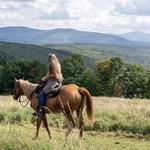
x=73, y=68
x=134, y=81
x=1, y=78
x=106, y=73
x=147, y=91
x=20, y=69
x=88, y=81
x=37, y=70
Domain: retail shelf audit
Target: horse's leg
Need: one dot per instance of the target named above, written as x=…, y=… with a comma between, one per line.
x=81, y=125
x=38, y=123
x=70, y=124
x=44, y=118
x=80, y=117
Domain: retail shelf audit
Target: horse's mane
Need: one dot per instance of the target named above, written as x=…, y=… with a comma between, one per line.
x=27, y=86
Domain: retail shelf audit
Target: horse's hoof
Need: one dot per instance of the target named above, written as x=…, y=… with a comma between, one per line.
x=81, y=137
x=49, y=140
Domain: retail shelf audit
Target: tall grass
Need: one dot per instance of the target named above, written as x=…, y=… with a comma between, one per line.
x=15, y=137
x=111, y=114
x=115, y=120
x=123, y=115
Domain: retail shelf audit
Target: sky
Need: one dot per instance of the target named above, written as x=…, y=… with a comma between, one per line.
x=105, y=16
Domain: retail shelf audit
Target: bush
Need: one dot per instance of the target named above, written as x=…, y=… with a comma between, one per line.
x=2, y=117
x=14, y=118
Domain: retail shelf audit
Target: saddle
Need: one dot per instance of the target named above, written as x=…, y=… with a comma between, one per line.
x=54, y=92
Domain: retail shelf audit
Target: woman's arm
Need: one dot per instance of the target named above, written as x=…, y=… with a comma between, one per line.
x=46, y=77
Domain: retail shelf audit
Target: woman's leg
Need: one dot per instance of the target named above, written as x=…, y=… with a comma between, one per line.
x=42, y=100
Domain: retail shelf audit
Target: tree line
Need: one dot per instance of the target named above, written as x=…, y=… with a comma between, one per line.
x=109, y=77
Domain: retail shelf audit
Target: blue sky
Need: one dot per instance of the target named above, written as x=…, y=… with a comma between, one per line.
x=110, y=16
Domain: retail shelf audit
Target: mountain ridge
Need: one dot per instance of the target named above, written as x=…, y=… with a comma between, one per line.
x=23, y=34
x=136, y=36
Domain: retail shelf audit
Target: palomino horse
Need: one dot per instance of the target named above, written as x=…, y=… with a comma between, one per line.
x=71, y=98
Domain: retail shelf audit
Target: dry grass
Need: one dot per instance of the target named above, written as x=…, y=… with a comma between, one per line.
x=119, y=124
x=15, y=137
x=115, y=103
x=8, y=101
x=111, y=115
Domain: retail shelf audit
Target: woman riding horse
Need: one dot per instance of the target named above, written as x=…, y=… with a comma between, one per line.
x=52, y=79
x=70, y=98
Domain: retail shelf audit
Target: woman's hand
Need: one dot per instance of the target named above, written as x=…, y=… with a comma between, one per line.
x=43, y=79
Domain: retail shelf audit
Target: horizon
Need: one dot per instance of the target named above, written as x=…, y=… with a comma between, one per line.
x=109, y=16
x=73, y=29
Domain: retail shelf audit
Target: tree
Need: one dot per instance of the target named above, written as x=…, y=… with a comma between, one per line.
x=20, y=69
x=88, y=81
x=1, y=78
x=134, y=81
x=106, y=73
x=147, y=90
x=73, y=68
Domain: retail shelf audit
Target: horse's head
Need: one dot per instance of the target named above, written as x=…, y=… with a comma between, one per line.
x=17, y=90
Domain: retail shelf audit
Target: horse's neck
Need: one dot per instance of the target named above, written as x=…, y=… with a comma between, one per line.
x=27, y=88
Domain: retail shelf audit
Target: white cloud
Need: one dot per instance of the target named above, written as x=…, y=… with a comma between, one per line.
x=133, y=7
x=92, y=15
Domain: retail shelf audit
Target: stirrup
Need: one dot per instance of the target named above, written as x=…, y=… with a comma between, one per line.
x=37, y=113
x=46, y=109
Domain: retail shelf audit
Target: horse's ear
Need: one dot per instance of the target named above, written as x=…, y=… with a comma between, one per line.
x=16, y=80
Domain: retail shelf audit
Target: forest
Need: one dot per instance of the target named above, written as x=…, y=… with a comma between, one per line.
x=108, y=77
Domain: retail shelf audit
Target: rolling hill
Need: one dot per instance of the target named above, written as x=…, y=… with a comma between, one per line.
x=129, y=54
x=136, y=36
x=90, y=52
x=36, y=36
x=35, y=52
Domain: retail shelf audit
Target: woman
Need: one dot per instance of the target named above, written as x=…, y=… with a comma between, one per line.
x=52, y=79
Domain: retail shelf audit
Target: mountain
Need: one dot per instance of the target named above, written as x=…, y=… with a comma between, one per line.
x=36, y=36
x=136, y=36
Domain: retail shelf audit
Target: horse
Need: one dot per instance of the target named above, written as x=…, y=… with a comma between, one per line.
x=70, y=98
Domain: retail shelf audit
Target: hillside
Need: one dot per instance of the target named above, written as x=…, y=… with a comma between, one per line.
x=129, y=54
x=36, y=36
x=90, y=52
x=34, y=52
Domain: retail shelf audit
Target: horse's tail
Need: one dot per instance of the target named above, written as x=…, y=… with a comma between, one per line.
x=87, y=98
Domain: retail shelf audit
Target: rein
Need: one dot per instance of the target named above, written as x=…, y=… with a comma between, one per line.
x=27, y=99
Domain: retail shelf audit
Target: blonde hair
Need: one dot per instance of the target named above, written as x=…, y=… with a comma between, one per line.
x=54, y=68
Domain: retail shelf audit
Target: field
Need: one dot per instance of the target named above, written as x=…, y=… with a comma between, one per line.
x=119, y=124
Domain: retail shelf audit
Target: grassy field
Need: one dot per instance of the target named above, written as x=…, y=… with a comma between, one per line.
x=119, y=124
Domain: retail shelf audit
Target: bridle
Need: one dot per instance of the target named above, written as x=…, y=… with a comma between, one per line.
x=21, y=101
x=18, y=93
